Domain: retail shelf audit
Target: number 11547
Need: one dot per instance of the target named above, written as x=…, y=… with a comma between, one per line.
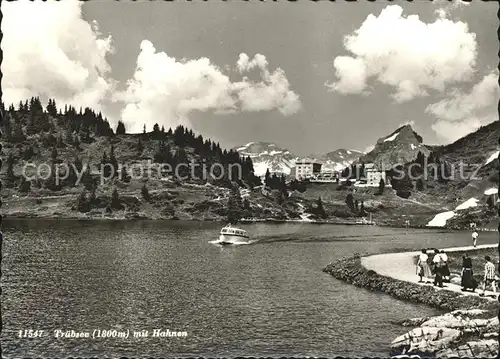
x=29, y=333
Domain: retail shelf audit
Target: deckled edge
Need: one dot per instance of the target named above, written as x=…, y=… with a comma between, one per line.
x=2, y=114
x=498, y=37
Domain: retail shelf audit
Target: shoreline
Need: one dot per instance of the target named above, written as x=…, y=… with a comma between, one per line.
x=139, y=217
x=439, y=336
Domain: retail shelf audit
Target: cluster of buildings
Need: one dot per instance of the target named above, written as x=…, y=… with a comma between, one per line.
x=312, y=170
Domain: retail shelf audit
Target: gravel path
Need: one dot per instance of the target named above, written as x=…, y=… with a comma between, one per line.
x=401, y=266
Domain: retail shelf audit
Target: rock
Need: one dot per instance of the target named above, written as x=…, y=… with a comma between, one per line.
x=487, y=348
x=458, y=320
x=425, y=340
x=490, y=335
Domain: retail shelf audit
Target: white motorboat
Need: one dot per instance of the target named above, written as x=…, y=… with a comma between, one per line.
x=232, y=235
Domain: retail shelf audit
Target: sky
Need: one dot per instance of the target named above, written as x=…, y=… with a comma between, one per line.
x=308, y=76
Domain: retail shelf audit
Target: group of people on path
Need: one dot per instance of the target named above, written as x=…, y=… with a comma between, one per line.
x=438, y=267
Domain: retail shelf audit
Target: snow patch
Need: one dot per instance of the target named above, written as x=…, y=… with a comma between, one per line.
x=440, y=219
x=260, y=168
x=413, y=146
x=491, y=191
x=392, y=138
x=471, y=202
x=349, y=152
x=492, y=158
x=275, y=152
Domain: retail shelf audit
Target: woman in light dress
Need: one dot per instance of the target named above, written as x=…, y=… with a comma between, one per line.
x=423, y=269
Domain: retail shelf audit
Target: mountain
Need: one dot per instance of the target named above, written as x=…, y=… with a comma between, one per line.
x=339, y=159
x=401, y=146
x=266, y=155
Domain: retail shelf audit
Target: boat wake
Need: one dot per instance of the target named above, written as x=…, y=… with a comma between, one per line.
x=231, y=243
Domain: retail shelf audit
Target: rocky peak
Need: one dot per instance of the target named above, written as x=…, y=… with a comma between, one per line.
x=399, y=147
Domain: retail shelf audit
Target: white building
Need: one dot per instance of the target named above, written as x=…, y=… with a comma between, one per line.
x=306, y=169
x=374, y=175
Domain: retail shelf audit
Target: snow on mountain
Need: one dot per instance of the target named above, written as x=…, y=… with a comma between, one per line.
x=339, y=159
x=493, y=157
x=491, y=191
x=401, y=146
x=266, y=155
x=392, y=138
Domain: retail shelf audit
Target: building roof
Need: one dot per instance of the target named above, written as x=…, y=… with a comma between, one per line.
x=307, y=161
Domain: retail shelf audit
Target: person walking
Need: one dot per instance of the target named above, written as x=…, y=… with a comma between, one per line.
x=444, y=267
x=468, y=281
x=489, y=276
x=474, y=238
x=423, y=267
x=438, y=273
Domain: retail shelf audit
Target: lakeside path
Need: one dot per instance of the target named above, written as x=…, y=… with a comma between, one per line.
x=401, y=266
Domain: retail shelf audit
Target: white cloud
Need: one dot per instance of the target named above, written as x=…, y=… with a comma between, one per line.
x=463, y=112
x=352, y=74
x=50, y=51
x=452, y=131
x=164, y=90
x=407, y=54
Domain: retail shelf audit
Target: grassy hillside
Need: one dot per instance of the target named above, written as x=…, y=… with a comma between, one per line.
x=38, y=136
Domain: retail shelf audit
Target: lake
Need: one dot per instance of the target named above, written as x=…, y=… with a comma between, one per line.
x=269, y=298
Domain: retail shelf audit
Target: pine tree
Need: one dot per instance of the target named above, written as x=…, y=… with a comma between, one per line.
x=28, y=153
x=115, y=200
x=125, y=177
x=267, y=178
x=320, y=210
x=381, y=186
x=234, y=206
x=82, y=204
x=420, y=184
x=53, y=183
x=60, y=142
x=76, y=142
x=120, y=129
x=113, y=161
x=362, y=209
x=87, y=179
x=92, y=198
x=349, y=200
x=11, y=178
x=24, y=185
x=145, y=193
x=144, y=129
x=54, y=154
x=140, y=146
x=490, y=203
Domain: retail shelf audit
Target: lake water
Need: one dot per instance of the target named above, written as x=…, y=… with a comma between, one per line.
x=269, y=298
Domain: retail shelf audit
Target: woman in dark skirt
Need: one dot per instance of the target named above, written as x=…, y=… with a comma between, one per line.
x=445, y=271
x=468, y=281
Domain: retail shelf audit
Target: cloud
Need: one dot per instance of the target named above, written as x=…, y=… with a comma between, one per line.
x=50, y=51
x=407, y=54
x=164, y=90
x=463, y=112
